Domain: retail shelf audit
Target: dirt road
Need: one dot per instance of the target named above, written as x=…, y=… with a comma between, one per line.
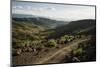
x=55, y=55
x=60, y=54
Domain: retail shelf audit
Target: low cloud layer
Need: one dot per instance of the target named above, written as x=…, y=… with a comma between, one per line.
x=55, y=11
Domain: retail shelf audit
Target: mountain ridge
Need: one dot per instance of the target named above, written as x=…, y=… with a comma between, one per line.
x=46, y=22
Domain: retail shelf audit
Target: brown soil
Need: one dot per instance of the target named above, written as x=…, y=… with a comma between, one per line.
x=48, y=55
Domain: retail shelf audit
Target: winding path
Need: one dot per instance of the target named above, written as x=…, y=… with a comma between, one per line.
x=59, y=55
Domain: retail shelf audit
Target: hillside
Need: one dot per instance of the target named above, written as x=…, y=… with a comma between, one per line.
x=41, y=21
x=74, y=28
x=34, y=42
x=32, y=29
x=23, y=32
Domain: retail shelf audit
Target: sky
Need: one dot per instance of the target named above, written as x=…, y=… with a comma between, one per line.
x=54, y=11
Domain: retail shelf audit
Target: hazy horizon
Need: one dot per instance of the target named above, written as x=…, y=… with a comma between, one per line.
x=54, y=11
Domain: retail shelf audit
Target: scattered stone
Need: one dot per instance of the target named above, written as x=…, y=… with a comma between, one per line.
x=16, y=52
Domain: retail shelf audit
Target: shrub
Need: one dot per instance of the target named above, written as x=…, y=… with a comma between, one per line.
x=63, y=39
x=71, y=37
x=78, y=52
x=52, y=42
x=21, y=43
x=66, y=37
x=36, y=38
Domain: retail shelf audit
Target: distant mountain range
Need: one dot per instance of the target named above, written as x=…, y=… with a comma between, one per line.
x=38, y=20
x=23, y=16
x=87, y=26
x=29, y=24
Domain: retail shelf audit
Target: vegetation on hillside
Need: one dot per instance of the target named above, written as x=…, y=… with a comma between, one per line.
x=85, y=51
x=38, y=36
x=74, y=27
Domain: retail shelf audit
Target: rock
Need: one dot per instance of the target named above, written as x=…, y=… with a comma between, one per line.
x=16, y=52
x=19, y=51
x=24, y=49
x=29, y=49
x=34, y=50
x=75, y=59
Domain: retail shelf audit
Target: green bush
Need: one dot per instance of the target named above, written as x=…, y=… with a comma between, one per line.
x=36, y=38
x=66, y=37
x=78, y=52
x=52, y=42
x=20, y=43
x=63, y=39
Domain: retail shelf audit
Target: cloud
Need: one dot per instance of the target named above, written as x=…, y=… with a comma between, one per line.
x=17, y=7
x=20, y=7
x=54, y=10
x=50, y=8
x=29, y=7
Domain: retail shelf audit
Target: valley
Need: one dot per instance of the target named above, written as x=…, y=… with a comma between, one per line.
x=43, y=41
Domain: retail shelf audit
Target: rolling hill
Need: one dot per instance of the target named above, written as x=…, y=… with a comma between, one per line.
x=74, y=27
x=38, y=28
x=41, y=21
